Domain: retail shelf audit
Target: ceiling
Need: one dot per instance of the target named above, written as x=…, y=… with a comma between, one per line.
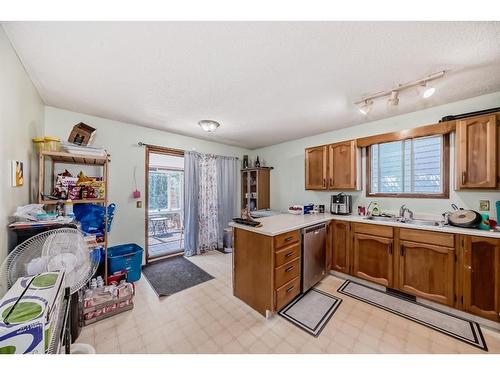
x=265, y=82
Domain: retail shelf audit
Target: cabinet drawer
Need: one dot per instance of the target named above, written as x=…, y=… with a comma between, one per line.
x=286, y=239
x=286, y=254
x=286, y=272
x=287, y=293
x=427, y=236
x=373, y=229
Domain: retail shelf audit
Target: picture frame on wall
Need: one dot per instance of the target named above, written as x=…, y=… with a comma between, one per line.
x=17, y=173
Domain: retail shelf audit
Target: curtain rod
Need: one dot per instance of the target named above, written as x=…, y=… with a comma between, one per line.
x=142, y=144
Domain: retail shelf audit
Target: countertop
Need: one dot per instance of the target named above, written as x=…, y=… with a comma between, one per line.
x=274, y=225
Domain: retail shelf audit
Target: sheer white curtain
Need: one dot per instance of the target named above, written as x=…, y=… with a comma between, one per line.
x=207, y=204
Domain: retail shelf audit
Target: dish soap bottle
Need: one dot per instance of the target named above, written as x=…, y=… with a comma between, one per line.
x=375, y=209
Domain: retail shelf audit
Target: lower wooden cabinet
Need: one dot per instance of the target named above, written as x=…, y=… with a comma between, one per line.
x=340, y=246
x=481, y=278
x=427, y=271
x=373, y=258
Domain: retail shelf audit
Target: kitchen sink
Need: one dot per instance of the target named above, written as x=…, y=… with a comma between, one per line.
x=431, y=223
x=382, y=218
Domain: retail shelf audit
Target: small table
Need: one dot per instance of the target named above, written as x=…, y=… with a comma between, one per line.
x=158, y=221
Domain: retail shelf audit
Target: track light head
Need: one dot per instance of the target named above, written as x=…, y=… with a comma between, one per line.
x=394, y=98
x=365, y=107
x=428, y=92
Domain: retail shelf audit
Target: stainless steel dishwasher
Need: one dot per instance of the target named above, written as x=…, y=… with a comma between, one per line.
x=313, y=255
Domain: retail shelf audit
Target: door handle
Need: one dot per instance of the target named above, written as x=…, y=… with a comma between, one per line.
x=331, y=181
x=289, y=269
x=324, y=182
x=390, y=248
x=290, y=289
x=402, y=250
x=288, y=255
x=464, y=175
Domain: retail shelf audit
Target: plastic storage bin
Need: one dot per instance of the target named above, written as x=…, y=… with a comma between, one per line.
x=126, y=257
x=38, y=144
x=52, y=144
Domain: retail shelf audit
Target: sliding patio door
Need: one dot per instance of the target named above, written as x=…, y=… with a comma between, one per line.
x=164, y=203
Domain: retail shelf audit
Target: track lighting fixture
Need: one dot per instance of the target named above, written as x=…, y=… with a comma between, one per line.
x=365, y=104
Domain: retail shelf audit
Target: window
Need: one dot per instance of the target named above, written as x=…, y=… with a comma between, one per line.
x=409, y=167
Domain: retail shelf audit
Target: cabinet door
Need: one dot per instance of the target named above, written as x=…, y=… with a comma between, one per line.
x=476, y=156
x=340, y=241
x=373, y=258
x=481, y=276
x=316, y=168
x=342, y=165
x=427, y=271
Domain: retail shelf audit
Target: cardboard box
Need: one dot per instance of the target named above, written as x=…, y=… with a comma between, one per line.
x=29, y=312
x=82, y=134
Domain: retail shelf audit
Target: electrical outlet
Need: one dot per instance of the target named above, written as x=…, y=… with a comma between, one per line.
x=138, y=204
x=484, y=205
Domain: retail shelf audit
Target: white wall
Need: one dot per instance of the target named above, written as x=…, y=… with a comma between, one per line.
x=287, y=178
x=120, y=140
x=21, y=118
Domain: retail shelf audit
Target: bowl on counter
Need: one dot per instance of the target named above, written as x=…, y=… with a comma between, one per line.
x=296, y=210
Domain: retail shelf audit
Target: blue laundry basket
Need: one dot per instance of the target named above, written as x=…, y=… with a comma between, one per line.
x=126, y=257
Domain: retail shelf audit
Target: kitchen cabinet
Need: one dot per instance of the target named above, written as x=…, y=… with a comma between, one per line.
x=316, y=168
x=255, y=188
x=476, y=152
x=481, y=276
x=342, y=166
x=427, y=271
x=332, y=167
x=373, y=258
x=340, y=246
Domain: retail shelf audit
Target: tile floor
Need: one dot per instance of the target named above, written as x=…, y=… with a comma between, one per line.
x=208, y=319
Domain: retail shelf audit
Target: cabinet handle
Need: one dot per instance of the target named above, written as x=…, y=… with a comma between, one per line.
x=390, y=248
x=402, y=250
x=289, y=269
x=290, y=289
x=289, y=254
x=464, y=175
x=331, y=181
x=288, y=239
x=324, y=182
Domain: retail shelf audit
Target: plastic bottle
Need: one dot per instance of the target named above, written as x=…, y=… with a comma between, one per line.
x=375, y=209
x=68, y=208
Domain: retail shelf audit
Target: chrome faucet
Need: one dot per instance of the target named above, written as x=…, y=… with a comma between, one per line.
x=403, y=210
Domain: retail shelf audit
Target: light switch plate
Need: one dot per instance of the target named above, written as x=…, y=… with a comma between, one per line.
x=484, y=205
x=138, y=204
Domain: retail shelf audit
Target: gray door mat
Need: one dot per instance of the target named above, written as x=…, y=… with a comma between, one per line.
x=171, y=275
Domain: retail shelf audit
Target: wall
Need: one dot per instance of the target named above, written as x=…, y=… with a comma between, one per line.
x=120, y=140
x=21, y=118
x=287, y=178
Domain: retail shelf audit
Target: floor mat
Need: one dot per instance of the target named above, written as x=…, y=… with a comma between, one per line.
x=311, y=311
x=172, y=275
x=451, y=325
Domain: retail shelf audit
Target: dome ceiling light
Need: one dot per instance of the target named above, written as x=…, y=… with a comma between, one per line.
x=365, y=104
x=210, y=126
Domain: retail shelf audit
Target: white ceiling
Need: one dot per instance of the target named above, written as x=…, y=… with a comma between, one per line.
x=265, y=82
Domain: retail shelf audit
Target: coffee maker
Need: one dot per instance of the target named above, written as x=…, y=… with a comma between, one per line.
x=341, y=204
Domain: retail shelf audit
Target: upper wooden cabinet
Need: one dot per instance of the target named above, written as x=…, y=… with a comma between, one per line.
x=476, y=152
x=481, y=277
x=316, y=168
x=332, y=167
x=342, y=162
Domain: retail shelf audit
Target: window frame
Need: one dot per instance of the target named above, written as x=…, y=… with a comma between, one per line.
x=445, y=174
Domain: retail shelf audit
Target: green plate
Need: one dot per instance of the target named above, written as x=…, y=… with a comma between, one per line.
x=44, y=281
x=24, y=312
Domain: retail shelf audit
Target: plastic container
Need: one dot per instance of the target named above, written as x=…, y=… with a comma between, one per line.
x=126, y=257
x=38, y=144
x=52, y=144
